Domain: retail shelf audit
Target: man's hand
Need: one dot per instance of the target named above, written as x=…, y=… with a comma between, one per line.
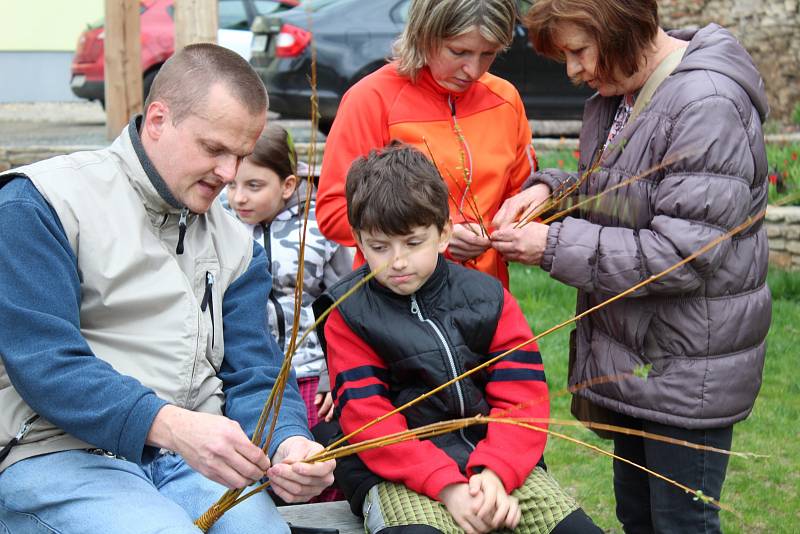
x=463, y=506
x=497, y=509
x=324, y=404
x=525, y=244
x=523, y=202
x=294, y=480
x=466, y=242
x=212, y=445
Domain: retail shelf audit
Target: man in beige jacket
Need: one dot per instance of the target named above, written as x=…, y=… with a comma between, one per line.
x=135, y=354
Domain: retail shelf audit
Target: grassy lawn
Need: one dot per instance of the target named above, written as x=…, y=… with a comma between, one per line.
x=764, y=492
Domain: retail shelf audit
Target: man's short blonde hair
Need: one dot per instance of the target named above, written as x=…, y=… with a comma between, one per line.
x=432, y=21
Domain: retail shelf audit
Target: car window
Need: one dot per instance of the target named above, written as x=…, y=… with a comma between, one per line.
x=232, y=15
x=264, y=7
x=400, y=12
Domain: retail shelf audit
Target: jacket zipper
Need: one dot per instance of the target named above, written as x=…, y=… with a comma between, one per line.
x=23, y=429
x=464, y=145
x=208, y=302
x=415, y=310
x=182, y=230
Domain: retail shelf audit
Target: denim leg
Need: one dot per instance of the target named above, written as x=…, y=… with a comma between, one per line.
x=674, y=510
x=195, y=493
x=631, y=488
x=76, y=491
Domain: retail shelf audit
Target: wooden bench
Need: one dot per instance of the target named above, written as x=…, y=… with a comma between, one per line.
x=335, y=514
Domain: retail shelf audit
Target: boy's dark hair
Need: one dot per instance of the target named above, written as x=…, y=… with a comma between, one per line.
x=275, y=150
x=395, y=190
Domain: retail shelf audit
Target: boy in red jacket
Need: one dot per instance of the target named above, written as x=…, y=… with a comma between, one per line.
x=420, y=322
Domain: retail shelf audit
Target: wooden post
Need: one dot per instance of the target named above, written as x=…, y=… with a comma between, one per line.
x=123, y=66
x=195, y=22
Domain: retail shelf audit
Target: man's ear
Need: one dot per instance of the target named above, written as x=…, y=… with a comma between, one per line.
x=445, y=235
x=155, y=118
x=288, y=186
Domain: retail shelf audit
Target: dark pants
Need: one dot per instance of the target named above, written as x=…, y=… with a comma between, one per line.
x=648, y=504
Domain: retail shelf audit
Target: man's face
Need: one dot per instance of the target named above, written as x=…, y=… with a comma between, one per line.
x=407, y=260
x=202, y=153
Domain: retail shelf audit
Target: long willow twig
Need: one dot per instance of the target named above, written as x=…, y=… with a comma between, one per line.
x=332, y=450
x=574, y=319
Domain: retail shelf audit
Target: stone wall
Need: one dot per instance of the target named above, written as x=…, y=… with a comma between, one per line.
x=783, y=231
x=768, y=29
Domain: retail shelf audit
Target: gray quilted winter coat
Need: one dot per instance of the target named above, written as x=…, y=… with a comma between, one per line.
x=703, y=326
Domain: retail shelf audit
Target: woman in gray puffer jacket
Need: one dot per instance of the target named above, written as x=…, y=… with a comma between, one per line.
x=702, y=327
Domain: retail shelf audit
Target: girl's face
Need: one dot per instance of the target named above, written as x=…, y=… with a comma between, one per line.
x=461, y=60
x=258, y=194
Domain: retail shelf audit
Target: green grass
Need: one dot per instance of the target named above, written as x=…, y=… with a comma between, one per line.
x=764, y=492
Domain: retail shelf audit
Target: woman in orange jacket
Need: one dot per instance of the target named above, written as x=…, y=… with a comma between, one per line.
x=438, y=96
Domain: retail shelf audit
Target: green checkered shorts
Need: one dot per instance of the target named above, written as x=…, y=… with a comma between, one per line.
x=542, y=501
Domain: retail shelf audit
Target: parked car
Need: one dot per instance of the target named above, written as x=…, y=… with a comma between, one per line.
x=157, y=31
x=354, y=37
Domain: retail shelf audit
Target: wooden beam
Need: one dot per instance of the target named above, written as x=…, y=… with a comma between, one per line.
x=123, y=69
x=195, y=22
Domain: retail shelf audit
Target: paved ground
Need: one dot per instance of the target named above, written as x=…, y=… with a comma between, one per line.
x=79, y=124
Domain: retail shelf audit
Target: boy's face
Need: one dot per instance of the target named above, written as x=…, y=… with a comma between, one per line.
x=410, y=259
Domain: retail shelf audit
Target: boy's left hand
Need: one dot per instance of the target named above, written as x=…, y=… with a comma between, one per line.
x=497, y=508
x=324, y=404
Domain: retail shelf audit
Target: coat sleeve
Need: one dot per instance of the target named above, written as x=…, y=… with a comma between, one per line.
x=361, y=125
x=516, y=389
x=252, y=357
x=361, y=394
x=48, y=361
x=702, y=195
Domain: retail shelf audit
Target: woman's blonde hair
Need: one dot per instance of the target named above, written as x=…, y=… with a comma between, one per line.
x=432, y=21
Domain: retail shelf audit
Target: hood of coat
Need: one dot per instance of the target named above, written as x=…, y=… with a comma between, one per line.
x=716, y=49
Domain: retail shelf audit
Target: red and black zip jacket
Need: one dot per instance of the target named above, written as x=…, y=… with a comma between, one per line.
x=385, y=349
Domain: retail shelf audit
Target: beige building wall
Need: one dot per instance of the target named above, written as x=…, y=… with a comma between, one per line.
x=45, y=25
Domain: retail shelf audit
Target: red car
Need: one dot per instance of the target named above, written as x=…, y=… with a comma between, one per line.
x=157, y=30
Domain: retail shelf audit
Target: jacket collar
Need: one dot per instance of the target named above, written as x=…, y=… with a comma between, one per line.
x=432, y=286
x=141, y=172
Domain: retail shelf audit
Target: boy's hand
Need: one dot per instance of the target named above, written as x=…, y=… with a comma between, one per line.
x=462, y=506
x=324, y=404
x=497, y=508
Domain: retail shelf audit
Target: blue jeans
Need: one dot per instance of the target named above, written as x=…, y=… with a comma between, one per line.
x=81, y=492
x=647, y=504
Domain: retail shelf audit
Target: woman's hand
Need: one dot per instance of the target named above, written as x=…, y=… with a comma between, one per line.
x=524, y=201
x=467, y=242
x=498, y=509
x=462, y=505
x=525, y=244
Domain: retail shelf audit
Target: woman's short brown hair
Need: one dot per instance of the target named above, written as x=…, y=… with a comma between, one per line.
x=432, y=21
x=623, y=30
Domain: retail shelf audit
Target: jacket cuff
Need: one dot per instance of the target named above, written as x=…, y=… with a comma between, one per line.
x=324, y=384
x=132, y=439
x=549, y=253
x=553, y=178
x=441, y=478
x=507, y=473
